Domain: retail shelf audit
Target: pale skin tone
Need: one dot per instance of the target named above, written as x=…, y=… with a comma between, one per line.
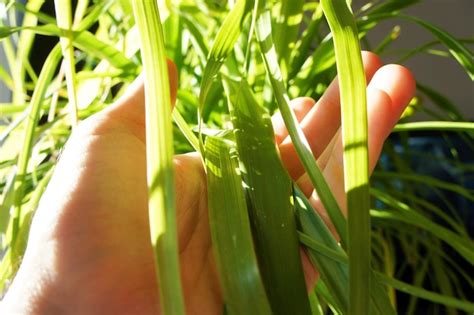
x=89, y=250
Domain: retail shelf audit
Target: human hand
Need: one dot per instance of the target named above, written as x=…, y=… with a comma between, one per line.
x=89, y=248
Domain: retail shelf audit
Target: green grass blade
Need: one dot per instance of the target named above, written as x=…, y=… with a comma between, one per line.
x=270, y=208
x=425, y=294
x=462, y=244
x=10, y=263
x=428, y=180
x=335, y=276
x=241, y=282
x=24, y=45
x=336, y=255
x=91, y=18
x=460, y=52
x=390, y=6
x=286, y=27
x=456, y=48
x=160, y=172
x=316, y=308
x=303, y=46
x=197, y=37
x=298, y=138
x=42, y=17
x=223, y=45
x=436, y=126
x=64, y=21
x=185, y=129
x=44, y=80
x=397, y=284
x=84, y=41
x=356, y=161
x=441, y=101
x=388, y=40
x=5, y=77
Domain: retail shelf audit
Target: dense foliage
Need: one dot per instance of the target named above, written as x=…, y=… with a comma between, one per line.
x=420, y=234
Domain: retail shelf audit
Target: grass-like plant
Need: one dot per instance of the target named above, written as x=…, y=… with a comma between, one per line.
x=240, y=61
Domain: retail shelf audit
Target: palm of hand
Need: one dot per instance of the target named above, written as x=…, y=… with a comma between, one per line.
x=113, y=258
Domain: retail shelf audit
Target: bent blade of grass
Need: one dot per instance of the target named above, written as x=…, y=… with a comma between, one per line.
x=392, y=282
x=429, y=181
x=425, y=294
x=270, y=208
x=352, y=87
x=297, y=136
x=462, y=244
x=223, y=45
x=232, y=241
x=460, y=52
x=455, y=47
x=160, y=175
x=420, y=204
x=44, y=80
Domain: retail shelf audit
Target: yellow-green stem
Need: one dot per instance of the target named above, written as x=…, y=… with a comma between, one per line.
x=159, y=139
x=64, y=21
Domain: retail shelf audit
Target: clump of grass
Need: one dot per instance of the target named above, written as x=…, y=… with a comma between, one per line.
x=232, y=69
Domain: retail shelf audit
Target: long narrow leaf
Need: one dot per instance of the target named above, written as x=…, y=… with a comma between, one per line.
x=64, y=18
x=456, y=48
x=297, y=136
x=335, y=275
x=436, y=126
x=45, y=78
x=223, y=45
x=83, y=40
x=356, y=160
x=270, y=208
x=160, y=173
x=232, y=241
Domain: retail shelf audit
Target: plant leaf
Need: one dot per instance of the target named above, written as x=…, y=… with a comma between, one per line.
x=241, y=282
x=159, y=151
x=270, y=208
x=352, y=86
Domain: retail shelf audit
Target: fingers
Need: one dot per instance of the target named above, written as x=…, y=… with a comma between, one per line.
x=311, y=275
x=386, y=101
x=304, y=181
x=300, y=106
x=399, y=83
x=323, y=120
x=130, y=108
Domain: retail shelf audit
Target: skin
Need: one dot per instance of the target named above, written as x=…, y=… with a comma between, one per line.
x=89, y=250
